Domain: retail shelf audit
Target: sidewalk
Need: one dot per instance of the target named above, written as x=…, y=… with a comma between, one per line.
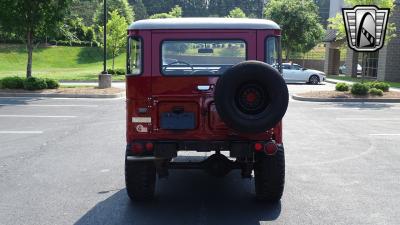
x=334, y=81
x=116, y=84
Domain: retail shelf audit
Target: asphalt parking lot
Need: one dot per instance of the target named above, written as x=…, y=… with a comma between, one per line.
x=61, y=162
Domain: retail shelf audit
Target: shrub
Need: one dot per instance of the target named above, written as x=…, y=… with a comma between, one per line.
x=120, y=71
x=379, y=85
x=116, y=71
x=359, y=89
x=342, y=87
x=51, y=83
x=375, y=91
x=12, y=82
x=111, y=71
x=35, y=83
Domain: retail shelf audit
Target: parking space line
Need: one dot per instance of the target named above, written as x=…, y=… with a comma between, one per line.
x=355, y=108
x=384, y=134
x=366, y=118
x=36, y=116
x=20, y=132
x=35, y=105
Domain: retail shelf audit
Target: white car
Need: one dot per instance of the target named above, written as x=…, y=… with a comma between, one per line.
x=343, y=69
x=293, y=73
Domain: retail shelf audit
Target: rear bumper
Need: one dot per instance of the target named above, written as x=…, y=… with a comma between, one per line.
x=170, y=148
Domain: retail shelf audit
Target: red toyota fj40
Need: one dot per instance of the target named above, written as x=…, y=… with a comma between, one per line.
x=206, y=85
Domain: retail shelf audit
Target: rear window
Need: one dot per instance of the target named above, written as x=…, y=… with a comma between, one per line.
x=201, y=57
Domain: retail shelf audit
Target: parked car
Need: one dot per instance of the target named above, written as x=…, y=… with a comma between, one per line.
x=343, y=69
x=204, y=84
x=293, y=73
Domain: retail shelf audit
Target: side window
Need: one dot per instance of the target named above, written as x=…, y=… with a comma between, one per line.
x=296, y=67
x=134, y=64
x=286, y=67
x=271, y=49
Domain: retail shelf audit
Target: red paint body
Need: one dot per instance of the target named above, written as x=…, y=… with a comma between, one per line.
x=158, y=93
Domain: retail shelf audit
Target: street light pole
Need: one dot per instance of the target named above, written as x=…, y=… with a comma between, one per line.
x=104, y=77
x=105, y=38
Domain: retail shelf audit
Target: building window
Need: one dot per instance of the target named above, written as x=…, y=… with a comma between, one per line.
x=370, y=64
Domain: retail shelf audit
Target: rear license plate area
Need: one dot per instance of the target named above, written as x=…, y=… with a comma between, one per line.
x=177, y=121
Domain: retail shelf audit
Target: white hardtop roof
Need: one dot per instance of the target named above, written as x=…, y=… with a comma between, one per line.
x=203, y=23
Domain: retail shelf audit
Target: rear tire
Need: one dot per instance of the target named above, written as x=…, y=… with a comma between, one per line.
x=269, y=173
x=140, y=179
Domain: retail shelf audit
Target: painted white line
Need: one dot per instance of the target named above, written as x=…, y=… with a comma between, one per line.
x=20, y=132
x=368, y=119
x=49, y=105
x=355, y=108
x=36, y=116
x=384, y=134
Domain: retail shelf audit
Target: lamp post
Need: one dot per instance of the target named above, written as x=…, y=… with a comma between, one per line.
x=105, y=37
x=104, y=77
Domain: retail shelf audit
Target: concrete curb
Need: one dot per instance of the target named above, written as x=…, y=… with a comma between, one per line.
x=54, y=95
x=381, y=100
x=87, y=81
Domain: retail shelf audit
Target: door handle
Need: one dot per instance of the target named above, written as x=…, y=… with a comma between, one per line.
x=203, y=87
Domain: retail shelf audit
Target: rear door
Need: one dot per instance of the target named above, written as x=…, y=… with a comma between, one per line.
x=186, y=66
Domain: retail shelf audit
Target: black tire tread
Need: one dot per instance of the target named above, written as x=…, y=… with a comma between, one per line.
x=140, y=179
x=270, y=176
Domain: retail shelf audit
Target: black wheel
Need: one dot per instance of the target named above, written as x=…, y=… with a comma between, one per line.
x=269, y=171
x=140, y=179
x=314, y=79
x=251, y=97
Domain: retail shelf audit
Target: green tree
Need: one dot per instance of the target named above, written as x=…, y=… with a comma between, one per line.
x=139, y=9
x=157, y=6
x=116, y=35
x=122, y=6
x=299, y=21
x=174, y=13
x=236, y=13
x=31, y=19
x=249, y=7
x=84, y=9
x=337, y=23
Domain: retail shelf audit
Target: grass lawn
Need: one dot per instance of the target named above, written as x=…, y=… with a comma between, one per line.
x=61, y=63
x=347, y=78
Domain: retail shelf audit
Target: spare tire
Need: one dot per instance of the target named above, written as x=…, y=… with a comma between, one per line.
x=251, y=97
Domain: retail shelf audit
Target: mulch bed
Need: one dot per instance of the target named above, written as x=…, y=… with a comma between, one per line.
x=337, y=94
x=80, y=91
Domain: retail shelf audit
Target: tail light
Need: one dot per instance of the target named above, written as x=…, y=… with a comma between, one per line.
x=271, y=148
x=149, y=146
x=137, y=148
x=258, y=146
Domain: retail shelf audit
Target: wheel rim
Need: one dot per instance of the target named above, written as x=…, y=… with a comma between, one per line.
x=251, y=99
x=314, y=80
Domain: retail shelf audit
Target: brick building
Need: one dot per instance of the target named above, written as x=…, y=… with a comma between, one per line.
x=381, y=65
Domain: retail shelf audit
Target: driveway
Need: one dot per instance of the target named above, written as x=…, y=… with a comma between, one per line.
x=61, y=162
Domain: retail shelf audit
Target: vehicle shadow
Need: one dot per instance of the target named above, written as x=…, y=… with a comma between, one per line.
x=188, y=197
